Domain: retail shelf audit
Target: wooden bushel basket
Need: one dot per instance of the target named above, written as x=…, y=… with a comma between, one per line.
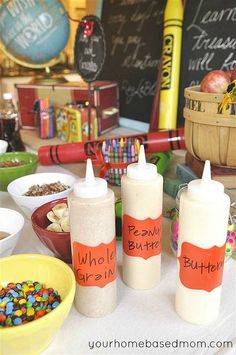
x=209, y=134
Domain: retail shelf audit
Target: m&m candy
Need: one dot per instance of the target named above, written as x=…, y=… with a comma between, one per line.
x=23, y=302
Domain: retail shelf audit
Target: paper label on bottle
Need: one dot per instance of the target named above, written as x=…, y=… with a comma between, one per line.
x=94, y=266
x=201, y=269
x=142, y=238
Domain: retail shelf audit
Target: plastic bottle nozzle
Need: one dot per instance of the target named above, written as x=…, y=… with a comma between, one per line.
x=142, y=170
x=90, y=186
x=206, y=175
x=89, y=176
x=205, y=189
x=141, y=158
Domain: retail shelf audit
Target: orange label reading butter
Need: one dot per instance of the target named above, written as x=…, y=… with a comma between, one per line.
x=94, y=266
x=201, y=269
x=142, y=237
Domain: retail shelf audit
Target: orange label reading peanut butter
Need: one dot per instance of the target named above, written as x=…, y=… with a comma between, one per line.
x=142, y=237
x=201, y=269
x=94, y=266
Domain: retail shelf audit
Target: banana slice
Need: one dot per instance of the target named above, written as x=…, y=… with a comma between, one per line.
x=60, y=209
x=66, y=213
x=59, y=216
x=65, y=224
x=52, y=217
x=54, y=227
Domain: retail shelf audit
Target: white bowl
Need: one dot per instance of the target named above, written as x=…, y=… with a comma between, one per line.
x=3, y=146
x=28, y=204
x=11, y=222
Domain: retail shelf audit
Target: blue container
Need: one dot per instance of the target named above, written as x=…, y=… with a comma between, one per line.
x=34, y=31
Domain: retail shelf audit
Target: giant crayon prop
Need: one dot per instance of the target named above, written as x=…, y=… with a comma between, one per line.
x=171, y=53
x=160, y=141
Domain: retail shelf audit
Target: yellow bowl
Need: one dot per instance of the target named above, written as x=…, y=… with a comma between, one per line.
x=35, y=336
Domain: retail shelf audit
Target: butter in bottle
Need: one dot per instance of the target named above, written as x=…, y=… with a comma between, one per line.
x=93, y=244
x=142, y=198
x=203, y=220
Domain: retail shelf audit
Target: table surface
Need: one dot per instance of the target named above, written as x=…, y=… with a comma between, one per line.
x=140, y=316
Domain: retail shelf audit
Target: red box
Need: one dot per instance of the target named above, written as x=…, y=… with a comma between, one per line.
x=104, y=96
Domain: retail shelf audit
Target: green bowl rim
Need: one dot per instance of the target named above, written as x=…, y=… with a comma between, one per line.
x=33, y=156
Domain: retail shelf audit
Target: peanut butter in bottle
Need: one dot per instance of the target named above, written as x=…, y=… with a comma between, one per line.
x=142, y=196
x=93, y=244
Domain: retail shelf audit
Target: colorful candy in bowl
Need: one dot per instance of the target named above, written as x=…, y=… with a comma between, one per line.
x=44, y=279
x=57, y=241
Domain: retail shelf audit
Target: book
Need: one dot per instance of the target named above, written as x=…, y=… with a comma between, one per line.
x=171, y=186
x=185, y=174
x=227, y=176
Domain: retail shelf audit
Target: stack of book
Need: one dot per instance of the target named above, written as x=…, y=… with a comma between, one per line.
x=192, y=169
x=225, y=175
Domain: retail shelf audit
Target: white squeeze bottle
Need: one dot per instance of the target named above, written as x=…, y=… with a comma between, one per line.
x=93, y=244
x=203, y=220
x=142, y=196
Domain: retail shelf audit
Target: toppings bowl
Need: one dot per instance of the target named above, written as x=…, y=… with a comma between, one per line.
x=3, y=146
x=11, y=225
x=36, y=335
x=14, y=165
x=57, y=242
x=19, y=188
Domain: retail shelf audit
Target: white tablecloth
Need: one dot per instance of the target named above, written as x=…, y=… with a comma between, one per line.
x=143, y=320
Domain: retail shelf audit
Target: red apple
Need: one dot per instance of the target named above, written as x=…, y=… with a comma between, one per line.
x=229, y=73
x=233, y=75
x=216, y=81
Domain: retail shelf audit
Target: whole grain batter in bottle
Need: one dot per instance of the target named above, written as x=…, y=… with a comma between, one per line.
x=92, y=223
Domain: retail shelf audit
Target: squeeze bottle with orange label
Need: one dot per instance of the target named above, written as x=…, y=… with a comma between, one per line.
x=142, y=196
x=203, y=221
x=93, y=244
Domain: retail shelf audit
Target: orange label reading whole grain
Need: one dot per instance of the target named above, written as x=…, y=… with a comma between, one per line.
x=142, y=237
x=201, y=269
x=94, y=266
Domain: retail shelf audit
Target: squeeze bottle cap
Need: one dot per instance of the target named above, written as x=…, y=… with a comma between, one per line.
x=7, y=96
x=142, y=170
x=90, y=186
x=205, y=188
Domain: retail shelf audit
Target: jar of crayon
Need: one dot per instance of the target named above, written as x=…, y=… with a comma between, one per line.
x=117, y=154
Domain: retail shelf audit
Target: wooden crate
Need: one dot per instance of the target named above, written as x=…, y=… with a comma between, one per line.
x=209, y=133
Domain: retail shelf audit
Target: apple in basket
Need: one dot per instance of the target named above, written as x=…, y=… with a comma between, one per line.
x=216, y=81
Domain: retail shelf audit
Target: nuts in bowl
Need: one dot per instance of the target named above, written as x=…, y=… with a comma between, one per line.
x=11, y=225
x=14, y=165
x=32, y=191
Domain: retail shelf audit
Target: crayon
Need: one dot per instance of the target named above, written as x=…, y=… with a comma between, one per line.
x=159, y=141
x=171, y=54
x=161, y=160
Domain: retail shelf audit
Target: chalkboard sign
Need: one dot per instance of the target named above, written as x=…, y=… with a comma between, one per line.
x=89, y=48
x=133, y=32
x=209, y=42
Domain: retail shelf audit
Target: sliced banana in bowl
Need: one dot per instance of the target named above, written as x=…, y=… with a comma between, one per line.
x=59, y=216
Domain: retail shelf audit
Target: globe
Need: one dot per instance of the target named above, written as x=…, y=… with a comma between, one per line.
x=33, y=32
